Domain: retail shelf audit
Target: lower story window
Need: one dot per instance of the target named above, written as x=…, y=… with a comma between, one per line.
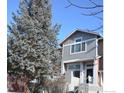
x=74, y=66
x=76, y=74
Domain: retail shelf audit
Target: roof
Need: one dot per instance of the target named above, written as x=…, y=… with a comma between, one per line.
x=84, y=31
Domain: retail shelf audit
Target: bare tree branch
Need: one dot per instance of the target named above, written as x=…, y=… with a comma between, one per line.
x=98, y=28
x=92, y=13
x=68, y=6
x=93, y=2
x=84, y=7
x=99, y=17
x=90, y=9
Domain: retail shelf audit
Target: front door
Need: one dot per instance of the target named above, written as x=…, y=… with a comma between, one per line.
x=89, y=75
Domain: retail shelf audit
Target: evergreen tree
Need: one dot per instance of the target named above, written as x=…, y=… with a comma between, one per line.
x=32, y=42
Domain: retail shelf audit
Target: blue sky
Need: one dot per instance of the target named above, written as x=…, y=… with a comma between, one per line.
x=69, y=18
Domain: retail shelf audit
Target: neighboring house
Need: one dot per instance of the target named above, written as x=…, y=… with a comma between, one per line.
x=82, y=59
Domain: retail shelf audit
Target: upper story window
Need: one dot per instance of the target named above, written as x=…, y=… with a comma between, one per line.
x=78, y=39
x=78, y=47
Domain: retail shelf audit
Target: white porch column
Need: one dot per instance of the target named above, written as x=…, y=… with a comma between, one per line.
x=81, y=73
x=95, y=67
x=101, y=78
x=95, y=72
x=62, y=68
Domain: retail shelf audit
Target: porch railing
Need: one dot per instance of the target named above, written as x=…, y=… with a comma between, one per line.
x=86, y=87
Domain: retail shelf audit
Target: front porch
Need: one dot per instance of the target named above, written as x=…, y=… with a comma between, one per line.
x=79, y=73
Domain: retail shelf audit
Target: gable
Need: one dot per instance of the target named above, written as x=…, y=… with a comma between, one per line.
x=78, y=34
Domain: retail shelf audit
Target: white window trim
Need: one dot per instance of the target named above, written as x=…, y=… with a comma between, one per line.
x=77, y=60
x=81, y=48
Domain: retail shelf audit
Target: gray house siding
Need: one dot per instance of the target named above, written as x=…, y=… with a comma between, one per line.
x=84, y=36
x=89, y=54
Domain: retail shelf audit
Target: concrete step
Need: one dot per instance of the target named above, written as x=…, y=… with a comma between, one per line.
x=89, y=88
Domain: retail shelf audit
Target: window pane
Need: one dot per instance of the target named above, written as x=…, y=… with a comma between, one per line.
x=76, y=74
x=71, y=67
x=77, y=66
x=77, y=47
x=78, y=40
x=74, y=66
x=72, y=49
x=83, y=46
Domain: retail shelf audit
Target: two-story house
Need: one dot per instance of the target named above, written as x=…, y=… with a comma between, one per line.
x=82, y=59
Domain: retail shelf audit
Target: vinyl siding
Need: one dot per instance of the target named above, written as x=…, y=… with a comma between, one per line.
x=85, y=36
x=90, y=53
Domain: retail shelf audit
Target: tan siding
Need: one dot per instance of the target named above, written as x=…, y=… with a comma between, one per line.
x=101, y=64
x=100, y=47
